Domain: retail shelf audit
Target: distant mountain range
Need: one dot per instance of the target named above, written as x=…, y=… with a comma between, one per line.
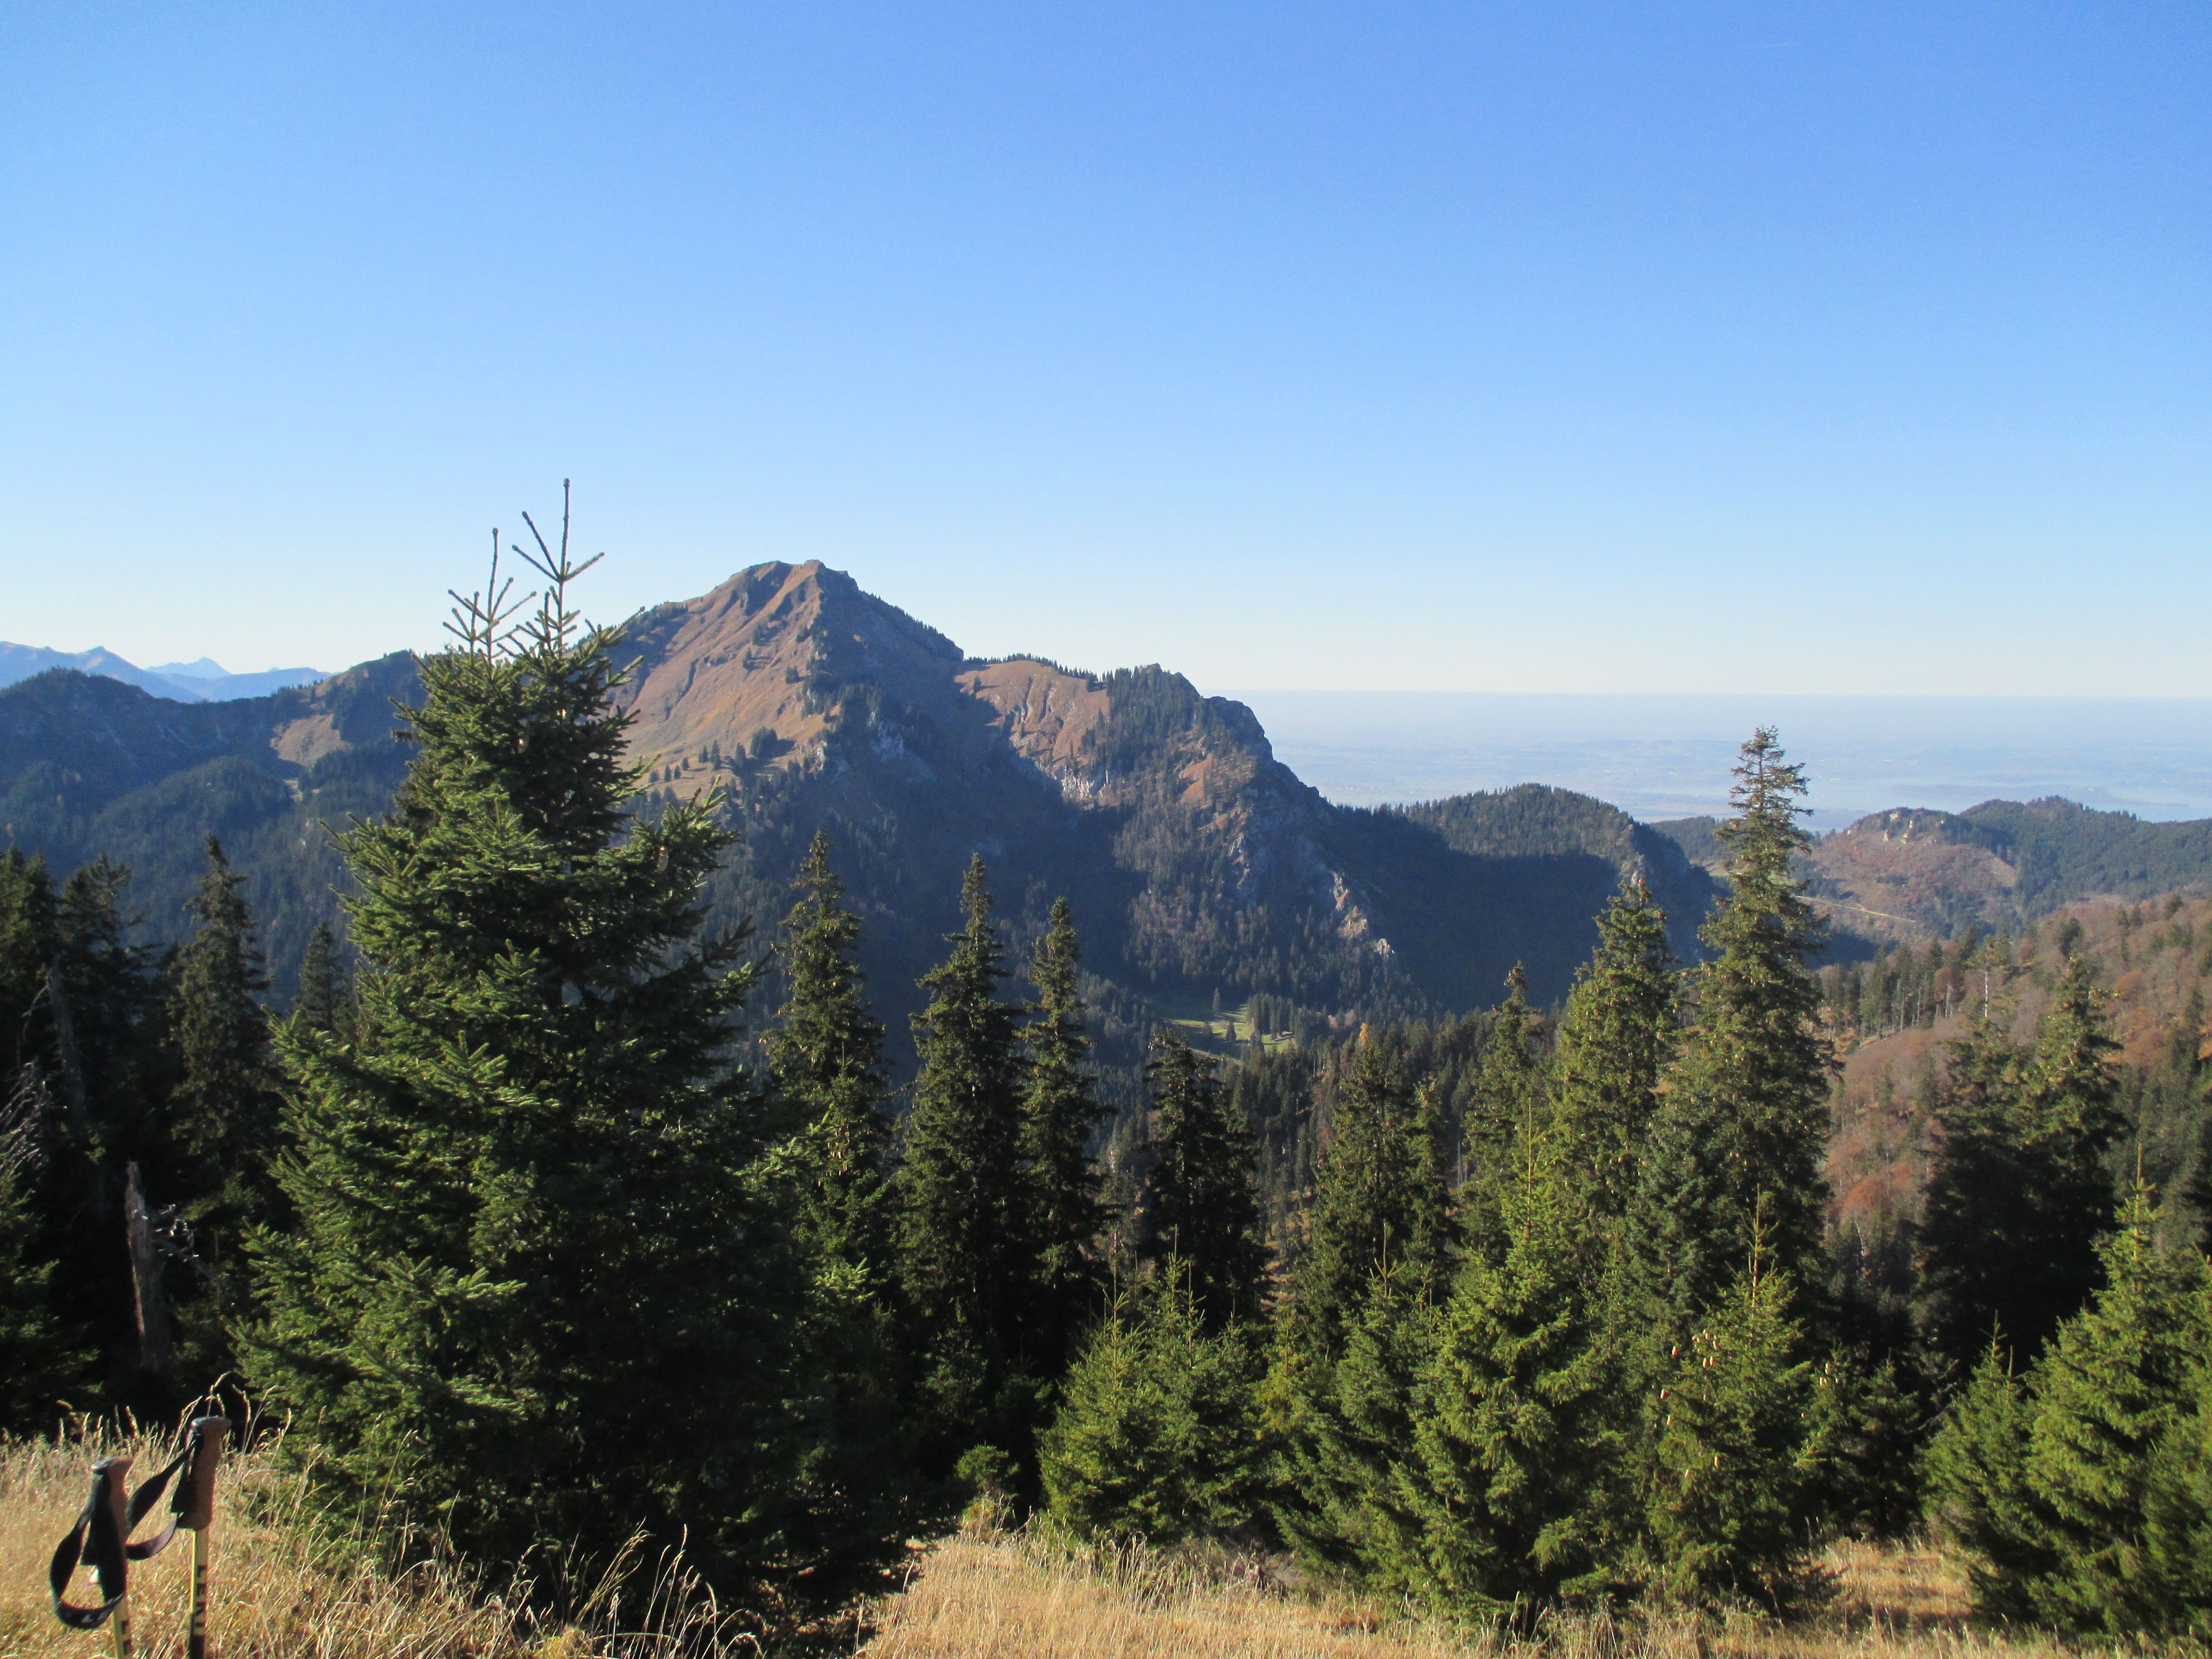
x=1200, y=868
x=203, y=681
x=1197, y=864
x=1910, y=873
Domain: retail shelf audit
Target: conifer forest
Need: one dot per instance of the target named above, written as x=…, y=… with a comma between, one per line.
x=550, y=1203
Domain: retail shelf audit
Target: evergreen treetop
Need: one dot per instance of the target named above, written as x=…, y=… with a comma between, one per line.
x=1742, y=1128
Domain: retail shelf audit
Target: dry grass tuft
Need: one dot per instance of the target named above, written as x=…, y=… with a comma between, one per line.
x=289, y=1585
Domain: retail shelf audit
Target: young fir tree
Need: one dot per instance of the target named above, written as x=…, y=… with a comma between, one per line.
x=224, y=1115
x=1732, y=1451
x=1614, y=1041
x=1157, y=1432
x=2118, y=1381
x=1200, y=1211
x=1978, y=1491
x=1061, y=1112
x=963, y=1248
x=2019, y=1176
x=536, y=1287
x=1743, y=1124
x=1360, y=1322
x=825, y=1058
x=2176, y=1552
x=1518, y=1473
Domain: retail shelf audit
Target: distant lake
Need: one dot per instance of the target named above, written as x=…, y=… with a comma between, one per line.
x=1668, y=757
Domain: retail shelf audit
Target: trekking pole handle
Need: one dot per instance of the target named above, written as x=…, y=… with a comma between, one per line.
x=194, y=1502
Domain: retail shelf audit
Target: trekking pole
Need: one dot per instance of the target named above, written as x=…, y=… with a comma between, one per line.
x=97, y=1539
x=119, y=1627
x=195, y=1508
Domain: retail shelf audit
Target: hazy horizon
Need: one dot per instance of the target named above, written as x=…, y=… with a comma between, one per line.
x=1659, y=756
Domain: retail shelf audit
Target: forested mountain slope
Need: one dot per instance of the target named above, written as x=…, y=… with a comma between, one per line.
x=1911, y=873
x=1196, y=863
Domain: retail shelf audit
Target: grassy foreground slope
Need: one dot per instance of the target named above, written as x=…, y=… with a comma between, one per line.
x=289, y=1585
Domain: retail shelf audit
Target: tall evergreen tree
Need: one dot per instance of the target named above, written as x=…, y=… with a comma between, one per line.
x=825, y=1061
x=223, y=1112
x=825, y=1057
x=1201, y=1210
x=1742, y=1127
x=1061, y=1111
x=964, y=1252
x=538, y=1284
x=1614, y=1041
x=2019, y=1176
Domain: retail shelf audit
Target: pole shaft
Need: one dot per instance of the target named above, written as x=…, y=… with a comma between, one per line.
x=119, y=1628
x=196, y=1633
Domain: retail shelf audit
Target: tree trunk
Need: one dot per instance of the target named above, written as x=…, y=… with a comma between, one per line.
x=152, y=1308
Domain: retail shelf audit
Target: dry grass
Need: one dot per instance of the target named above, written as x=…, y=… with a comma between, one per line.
x=290, y=1586
x=286, y=1585
x=989, y=1595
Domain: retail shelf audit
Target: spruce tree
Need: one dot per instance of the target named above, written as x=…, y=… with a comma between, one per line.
x=1742, y=1127
x=1733, y=1452
x=825, y=1058
x=825, y=1065
x=964, y=1256
x=322, y=992
x=1201, y=1210
x=1511, y=1087
x=1614, y=1041
x=2019, y=1176
x=39, y=1367
x=1157, y=1432
x=1518, y=1469
x=1380, y=1202
x=1978, y=1490
x=2118, y=1381
x=1361, y=1324
x=1061, y=1111
x=223, y=1112
x=537, y=1286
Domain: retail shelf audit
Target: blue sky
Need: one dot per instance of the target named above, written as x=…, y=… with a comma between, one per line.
x=1690, y=349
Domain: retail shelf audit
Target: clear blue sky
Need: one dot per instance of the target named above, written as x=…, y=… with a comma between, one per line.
x=1696, y=347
